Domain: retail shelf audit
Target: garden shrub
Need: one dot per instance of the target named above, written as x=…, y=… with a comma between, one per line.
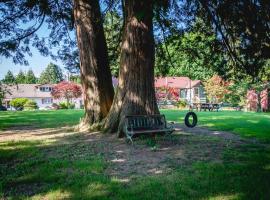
x=65, y=105
x=18, y=103
x=30, y=105
x=181, y=104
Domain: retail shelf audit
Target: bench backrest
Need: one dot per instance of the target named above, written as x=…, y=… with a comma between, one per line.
x=145, y=122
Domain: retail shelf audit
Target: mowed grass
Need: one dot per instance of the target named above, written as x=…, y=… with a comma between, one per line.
x=42, y=119
x=70, y=167
x=246, y=124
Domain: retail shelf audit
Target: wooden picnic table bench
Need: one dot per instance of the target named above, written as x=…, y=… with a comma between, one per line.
x=207, y=106
x=146, y=124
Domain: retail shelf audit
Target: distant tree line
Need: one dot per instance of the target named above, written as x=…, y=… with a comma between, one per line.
x=51, y=74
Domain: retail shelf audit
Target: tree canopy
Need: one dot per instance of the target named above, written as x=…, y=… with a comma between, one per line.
x=52, y=74
x=196, y=53
x=244, y=37
x=9, y=78
x=30, y=77
x=20, y=78
x=243, y=27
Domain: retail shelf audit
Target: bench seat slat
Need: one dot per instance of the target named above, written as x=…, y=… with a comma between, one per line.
x=139, y=124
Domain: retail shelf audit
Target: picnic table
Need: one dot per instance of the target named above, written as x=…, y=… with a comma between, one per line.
x=206, y=106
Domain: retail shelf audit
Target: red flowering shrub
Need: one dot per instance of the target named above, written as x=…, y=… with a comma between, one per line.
x=167, y=93
x=252, y=100
x=66, y=90
x=264, y=100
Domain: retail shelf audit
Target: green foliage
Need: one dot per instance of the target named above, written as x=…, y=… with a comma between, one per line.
x=75, y=79
x=237, y=94
x=196, y=54
x=66, y=105
x=52, y=74
x=18, y=103
x=30, y=77
x=2, y=93
x=63, y=105
x=112, y=29
x=181, y=104
x=216, y=89
x=9, y=78
x=30, y=105
x=243, y=27
x=20, y=78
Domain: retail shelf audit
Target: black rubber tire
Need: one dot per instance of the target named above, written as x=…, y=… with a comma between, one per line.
x=195, y=119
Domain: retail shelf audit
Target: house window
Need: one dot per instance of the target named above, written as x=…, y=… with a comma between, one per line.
x=196, y=92
x=7, y=104
x=47, y=101
x=45, y=89
x=183, y=93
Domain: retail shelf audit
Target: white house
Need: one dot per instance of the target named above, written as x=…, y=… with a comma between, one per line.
x=192, y=91
x=40, y=93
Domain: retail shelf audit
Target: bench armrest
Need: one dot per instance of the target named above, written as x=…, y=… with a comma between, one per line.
x=126, y=128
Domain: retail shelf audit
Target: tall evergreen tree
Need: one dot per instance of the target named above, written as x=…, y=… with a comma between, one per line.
x=30, y=77
x=9, y=78
x=62, y=18
x=135, y=94
x=52, y=74
x=96, y=77
x=20, y=78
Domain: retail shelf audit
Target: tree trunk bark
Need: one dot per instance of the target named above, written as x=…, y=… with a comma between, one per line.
x=94, y=66
x=135, y=93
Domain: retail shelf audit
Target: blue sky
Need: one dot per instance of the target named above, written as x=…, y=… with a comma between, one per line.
x=37, y=63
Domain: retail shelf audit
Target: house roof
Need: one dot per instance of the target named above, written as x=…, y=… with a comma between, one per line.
x=25, y=91
x=176, y=82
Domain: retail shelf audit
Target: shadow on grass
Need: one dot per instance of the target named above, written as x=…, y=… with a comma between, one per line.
x=72, y=168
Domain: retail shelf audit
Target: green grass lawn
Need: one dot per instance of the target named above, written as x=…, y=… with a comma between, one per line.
x=70, y=167
x=246, y=124
x=42, y=170
x=43, y=119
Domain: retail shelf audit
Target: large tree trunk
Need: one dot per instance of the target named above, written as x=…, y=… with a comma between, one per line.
x=95, y=72
x=135, y=93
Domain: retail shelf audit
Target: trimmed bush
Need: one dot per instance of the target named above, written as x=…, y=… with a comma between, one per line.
x=65, y=105
x=181, y=104
x=30, y=105
x=18, y=103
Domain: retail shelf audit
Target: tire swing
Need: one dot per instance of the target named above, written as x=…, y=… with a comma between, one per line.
x=194, y=119
x=190, y=113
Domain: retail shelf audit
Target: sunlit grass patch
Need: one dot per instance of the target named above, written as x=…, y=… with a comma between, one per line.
x=256, y=125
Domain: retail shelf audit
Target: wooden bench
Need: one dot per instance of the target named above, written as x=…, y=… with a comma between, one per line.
x=146, y=124
x=209, y=106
